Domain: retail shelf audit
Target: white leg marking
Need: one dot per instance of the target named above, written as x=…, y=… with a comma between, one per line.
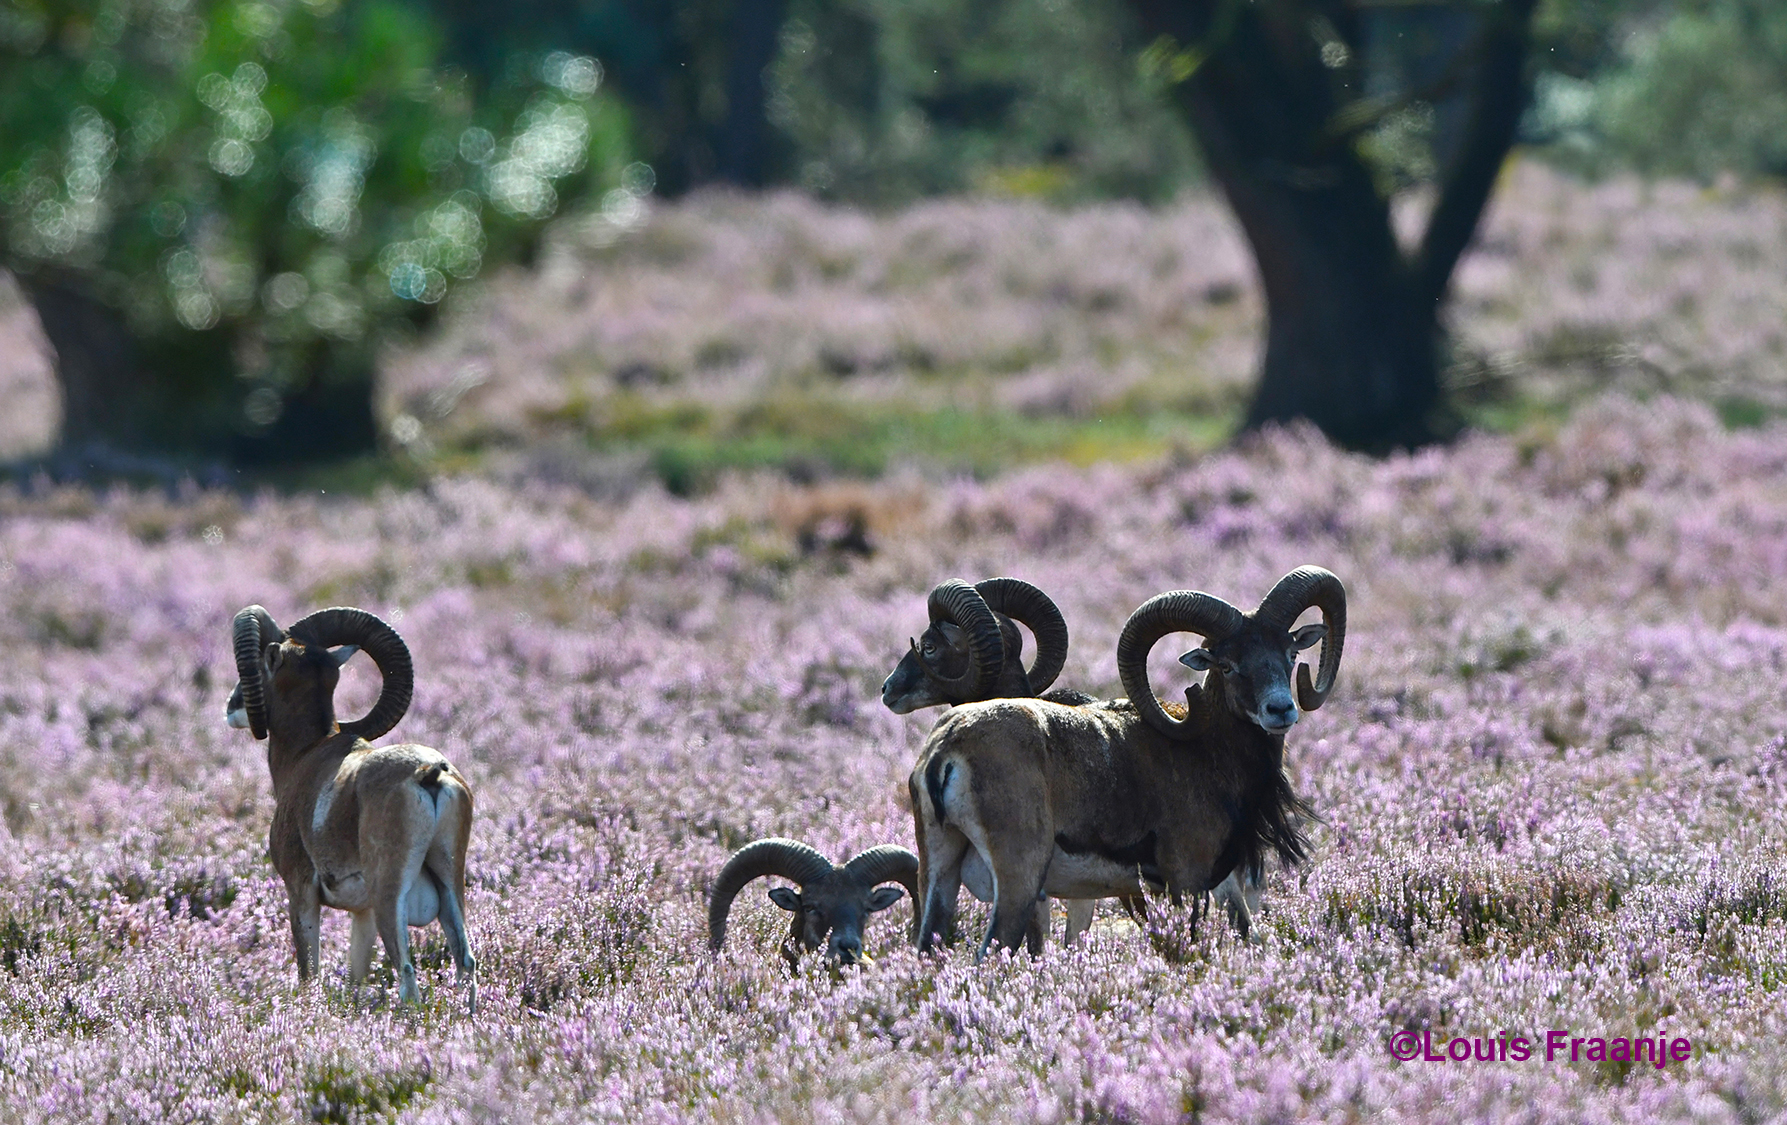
x=360, y=943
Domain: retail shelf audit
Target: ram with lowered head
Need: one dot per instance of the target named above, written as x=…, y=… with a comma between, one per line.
x=378, y=831
x=833, y=903
x=1111, y=800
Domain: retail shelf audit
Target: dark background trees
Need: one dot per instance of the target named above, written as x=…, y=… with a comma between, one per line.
x=222, y=209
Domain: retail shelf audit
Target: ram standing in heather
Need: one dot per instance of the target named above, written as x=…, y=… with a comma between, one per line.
x=1115, y=799
x=971, y=652
x=378, y=831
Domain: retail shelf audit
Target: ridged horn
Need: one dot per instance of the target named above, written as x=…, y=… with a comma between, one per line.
x=344, y=625
x=887, y=863
x=1021, y=601
x=252, y=631
x=1177, y=611
x=961, y=605
x=776, y=855
x=1297, y=591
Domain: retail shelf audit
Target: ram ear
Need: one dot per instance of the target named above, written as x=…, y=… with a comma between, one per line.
x=1308, y=637
x=1198, y=660
x=785, y=897
x=343, y=654
x=273, y=656
x=884, y=897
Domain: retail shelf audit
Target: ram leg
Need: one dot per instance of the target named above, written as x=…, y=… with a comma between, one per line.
x=1079, y=917
x=1017, y=889
x=1012, y=917
x=1036, y=935
x=304, y=906
x=452, y=918
x=359, y=955
x=391, y=879
x=941, y=848
x=1234, y=902
x=940, y=877
x=394, y=932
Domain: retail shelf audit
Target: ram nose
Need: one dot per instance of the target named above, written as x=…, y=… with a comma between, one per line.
x=896, y=690
x=1278, y=713
x=846, y=950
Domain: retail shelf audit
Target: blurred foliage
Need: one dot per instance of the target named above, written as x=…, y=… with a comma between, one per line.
x=1695, y=88
x=872, y=100
x=667, y=59
x=263, y=191
x=889, y=99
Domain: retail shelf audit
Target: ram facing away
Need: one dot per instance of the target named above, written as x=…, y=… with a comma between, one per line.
x=1115, y=799
x=378, y=831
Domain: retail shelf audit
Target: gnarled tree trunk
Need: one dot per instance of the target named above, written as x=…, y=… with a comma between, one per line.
x=131, y=404
x=103, y=396
x=1275, y=95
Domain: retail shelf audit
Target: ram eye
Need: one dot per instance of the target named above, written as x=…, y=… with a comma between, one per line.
x=929, y=648
x=1226, y=667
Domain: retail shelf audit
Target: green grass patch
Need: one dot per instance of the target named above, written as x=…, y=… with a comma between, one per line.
x=336, y=1094
x=689, y=446
x=352, y=476
x=1740, y=413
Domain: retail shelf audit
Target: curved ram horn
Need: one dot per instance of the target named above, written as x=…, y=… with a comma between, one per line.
x=1297, y=591
x=344, y=625
x=1021, y=601
x=1177, y=611
x=776, y=855
x=252, y=630
x=960, y=604
x=888, y=863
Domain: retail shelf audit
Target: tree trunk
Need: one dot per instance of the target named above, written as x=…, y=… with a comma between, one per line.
x=1353, y=331
x=1350, y=344
x=96, y=365
x=744, y=138
x=131, y=404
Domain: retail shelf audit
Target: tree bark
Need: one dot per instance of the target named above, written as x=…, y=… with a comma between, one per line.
x=95, y=360
x=1353, y=329
x=131, y=404
x=744, y=138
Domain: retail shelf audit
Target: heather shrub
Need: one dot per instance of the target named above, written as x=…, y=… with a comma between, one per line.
x=1547, y=785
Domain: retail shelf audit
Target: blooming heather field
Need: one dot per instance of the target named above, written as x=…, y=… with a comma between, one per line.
x=1549, y=783
x=735, y=316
